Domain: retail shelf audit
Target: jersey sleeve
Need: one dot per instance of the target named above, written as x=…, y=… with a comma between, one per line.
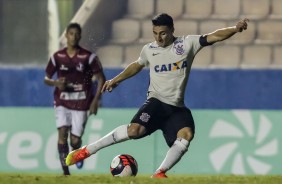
x=51, y=67
x=95, y=63
x=193, y=42
x=142, y=60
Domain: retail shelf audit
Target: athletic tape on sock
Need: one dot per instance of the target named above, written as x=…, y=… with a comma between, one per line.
x=182, y=143
x=120, y=134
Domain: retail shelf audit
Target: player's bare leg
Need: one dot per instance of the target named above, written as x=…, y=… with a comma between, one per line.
x=63, y=148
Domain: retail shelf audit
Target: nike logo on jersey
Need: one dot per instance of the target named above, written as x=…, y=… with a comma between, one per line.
x=154, y=54
x=171, y=66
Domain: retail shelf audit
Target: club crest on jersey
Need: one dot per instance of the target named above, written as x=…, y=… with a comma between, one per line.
x=80, y=67
x=145, y=117
x=171, y=66
x=151, y=46
x=179, y=49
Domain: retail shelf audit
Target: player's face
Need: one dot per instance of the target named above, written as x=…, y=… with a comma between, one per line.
x=163, y=35
x=73, y=36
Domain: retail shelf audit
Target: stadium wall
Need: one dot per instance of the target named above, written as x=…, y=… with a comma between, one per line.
x=207, y=89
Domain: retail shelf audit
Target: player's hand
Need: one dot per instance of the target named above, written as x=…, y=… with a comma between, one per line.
x=242, y=25
x=61, y=83
x=109, y=86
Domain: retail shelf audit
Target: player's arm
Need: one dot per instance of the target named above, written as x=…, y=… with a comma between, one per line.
x=59, y=83
x=225, y=33
x=100, y=77
x=131, y=70
x=49, y=73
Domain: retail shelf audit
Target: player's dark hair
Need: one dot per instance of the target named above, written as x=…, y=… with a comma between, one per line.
x=74, y=25
x=163, y=19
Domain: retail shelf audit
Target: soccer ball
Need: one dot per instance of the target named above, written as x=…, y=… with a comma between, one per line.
x=124, y=165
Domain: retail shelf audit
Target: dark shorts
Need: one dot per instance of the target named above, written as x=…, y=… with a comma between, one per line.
x=156, y=115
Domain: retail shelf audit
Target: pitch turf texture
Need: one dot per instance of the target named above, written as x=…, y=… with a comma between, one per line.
x=140, y=179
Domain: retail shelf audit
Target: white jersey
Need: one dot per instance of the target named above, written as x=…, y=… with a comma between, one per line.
x=170, y=68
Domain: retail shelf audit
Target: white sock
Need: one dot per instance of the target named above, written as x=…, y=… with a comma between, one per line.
x=117, y=135
x=174, y=154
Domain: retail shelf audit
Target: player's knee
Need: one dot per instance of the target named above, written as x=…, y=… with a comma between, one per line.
x=190, y=135
x=186, y=133
x=135, y=131
x=75, y=142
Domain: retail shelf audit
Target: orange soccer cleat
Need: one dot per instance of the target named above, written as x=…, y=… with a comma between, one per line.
x=77, y=156
x=160, y=174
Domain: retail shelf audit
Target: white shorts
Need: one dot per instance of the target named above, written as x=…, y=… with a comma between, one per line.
x=71, y=118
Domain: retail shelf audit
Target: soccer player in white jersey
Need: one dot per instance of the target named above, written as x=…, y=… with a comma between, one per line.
x=74, y=92
x=169, y=59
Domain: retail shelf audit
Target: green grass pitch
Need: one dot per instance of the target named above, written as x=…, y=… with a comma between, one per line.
x=139, y=179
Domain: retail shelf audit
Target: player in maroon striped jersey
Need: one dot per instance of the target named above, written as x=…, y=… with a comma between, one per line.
x=75, y=92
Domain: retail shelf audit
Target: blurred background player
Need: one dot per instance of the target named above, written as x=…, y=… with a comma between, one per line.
x=75, y=92
x=169, y=59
